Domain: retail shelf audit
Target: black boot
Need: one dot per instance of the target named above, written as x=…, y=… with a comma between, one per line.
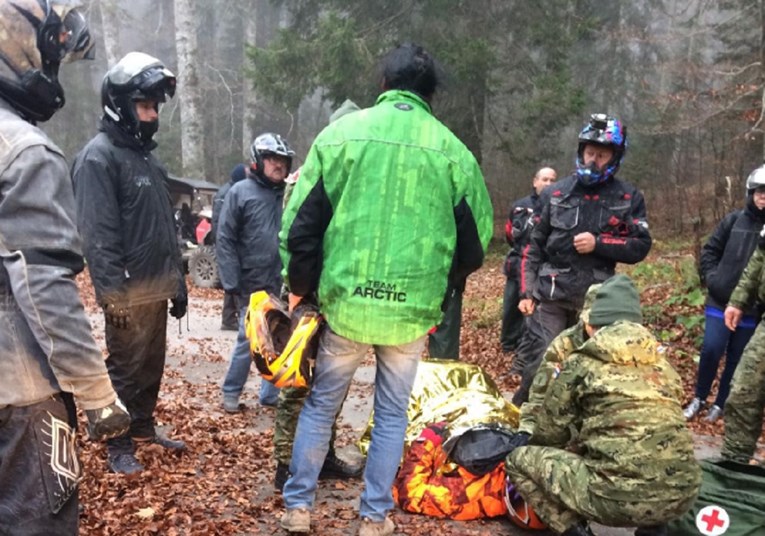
x=337, y=468
x=580, y=529
x=656, y=530
x=281, y=476
x=125, y=463
x=170, y=444
x=121, y=456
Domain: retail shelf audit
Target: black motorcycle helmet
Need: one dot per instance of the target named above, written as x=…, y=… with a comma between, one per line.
x=135, y=77
x=36, y=36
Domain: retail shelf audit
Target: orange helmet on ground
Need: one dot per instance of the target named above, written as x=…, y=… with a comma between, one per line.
x=519, y=511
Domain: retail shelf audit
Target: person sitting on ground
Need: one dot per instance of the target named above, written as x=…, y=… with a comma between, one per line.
x=610, y=443
x=723, y=259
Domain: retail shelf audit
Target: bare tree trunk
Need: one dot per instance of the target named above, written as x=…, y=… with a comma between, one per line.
x=110, y=22
x=189, y=94
x=249, y=98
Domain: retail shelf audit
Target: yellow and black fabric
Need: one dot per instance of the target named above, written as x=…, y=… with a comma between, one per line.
x=283, y=346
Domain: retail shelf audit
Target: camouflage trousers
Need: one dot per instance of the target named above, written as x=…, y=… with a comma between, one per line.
x=291, y=400
x=745, y=405
x=556, y=484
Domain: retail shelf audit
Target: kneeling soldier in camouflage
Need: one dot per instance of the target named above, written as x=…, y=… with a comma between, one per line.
x=610, y=443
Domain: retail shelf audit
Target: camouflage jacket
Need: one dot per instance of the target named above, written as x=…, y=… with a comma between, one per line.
x=617, y=402
x=560, y=348
x=751, y=286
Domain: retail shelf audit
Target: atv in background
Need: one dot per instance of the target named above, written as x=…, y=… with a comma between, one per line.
x=192, y=208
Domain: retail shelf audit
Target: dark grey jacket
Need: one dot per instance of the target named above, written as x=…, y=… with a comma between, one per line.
x=727, y=252
x=125, y=216
x=247, y=246
x=46, y=345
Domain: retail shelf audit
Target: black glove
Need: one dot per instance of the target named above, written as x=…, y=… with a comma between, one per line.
x=178, y=309
x=111, y=421
x=521, y=439
x=117, y=313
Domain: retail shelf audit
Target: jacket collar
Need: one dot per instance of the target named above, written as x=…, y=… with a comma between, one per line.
x=408, y=97
x=120, y=138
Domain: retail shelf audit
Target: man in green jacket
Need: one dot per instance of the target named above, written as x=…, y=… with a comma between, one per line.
x=360, y=232
x=746, y=403
x=610, y=443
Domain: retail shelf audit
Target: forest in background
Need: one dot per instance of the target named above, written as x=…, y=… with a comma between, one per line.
x=521, y=78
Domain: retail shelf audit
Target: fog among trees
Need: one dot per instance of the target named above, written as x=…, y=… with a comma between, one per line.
x=520, y=79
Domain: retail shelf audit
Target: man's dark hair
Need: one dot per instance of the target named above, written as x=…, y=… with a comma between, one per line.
x=411, y=68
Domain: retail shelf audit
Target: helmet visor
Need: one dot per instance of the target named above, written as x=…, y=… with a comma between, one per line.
x=78, y=44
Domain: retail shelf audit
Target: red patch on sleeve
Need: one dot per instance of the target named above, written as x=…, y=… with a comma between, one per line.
x=627, y=196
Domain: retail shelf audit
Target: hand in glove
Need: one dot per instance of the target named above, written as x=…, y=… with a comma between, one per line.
x=117, y=313
x=111, y=421
x=178, y=309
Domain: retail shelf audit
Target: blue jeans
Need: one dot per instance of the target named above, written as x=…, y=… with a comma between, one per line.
x=336, y=362
x=719, y=340
x=239, y=370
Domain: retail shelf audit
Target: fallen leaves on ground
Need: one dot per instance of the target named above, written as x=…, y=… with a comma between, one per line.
x=223, y=483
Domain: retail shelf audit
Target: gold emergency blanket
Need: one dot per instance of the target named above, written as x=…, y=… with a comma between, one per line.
x=460, y=394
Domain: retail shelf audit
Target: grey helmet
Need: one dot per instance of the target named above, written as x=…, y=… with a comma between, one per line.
x=135, y=77
x=270, y=144
x=32, y=49
x=756, y=179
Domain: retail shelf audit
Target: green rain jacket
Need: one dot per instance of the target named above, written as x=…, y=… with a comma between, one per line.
x=617, y=403
x=388, y=206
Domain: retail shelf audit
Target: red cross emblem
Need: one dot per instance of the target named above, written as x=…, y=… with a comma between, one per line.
x=712, y=520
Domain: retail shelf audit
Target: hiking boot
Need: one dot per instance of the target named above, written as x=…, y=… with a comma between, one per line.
x=124, y=463
x=376, y=528
x=714, y=413
x=231, y=404
x=281, y=476
x=580, y=529
x=338, y=469
x=693, y=409
x=657, y=530
x=169, y=444
x=296, y=520
x=229, y=327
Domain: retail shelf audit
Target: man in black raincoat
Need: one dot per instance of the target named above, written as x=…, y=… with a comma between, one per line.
x=125, y=216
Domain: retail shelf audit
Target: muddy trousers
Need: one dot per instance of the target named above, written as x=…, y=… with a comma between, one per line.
x=746, y=403
x=135, y=363
x=291, y=400
x=39, y=469
x=556, y=484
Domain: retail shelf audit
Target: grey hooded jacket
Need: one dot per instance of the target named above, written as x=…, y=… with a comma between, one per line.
x=46, y=345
